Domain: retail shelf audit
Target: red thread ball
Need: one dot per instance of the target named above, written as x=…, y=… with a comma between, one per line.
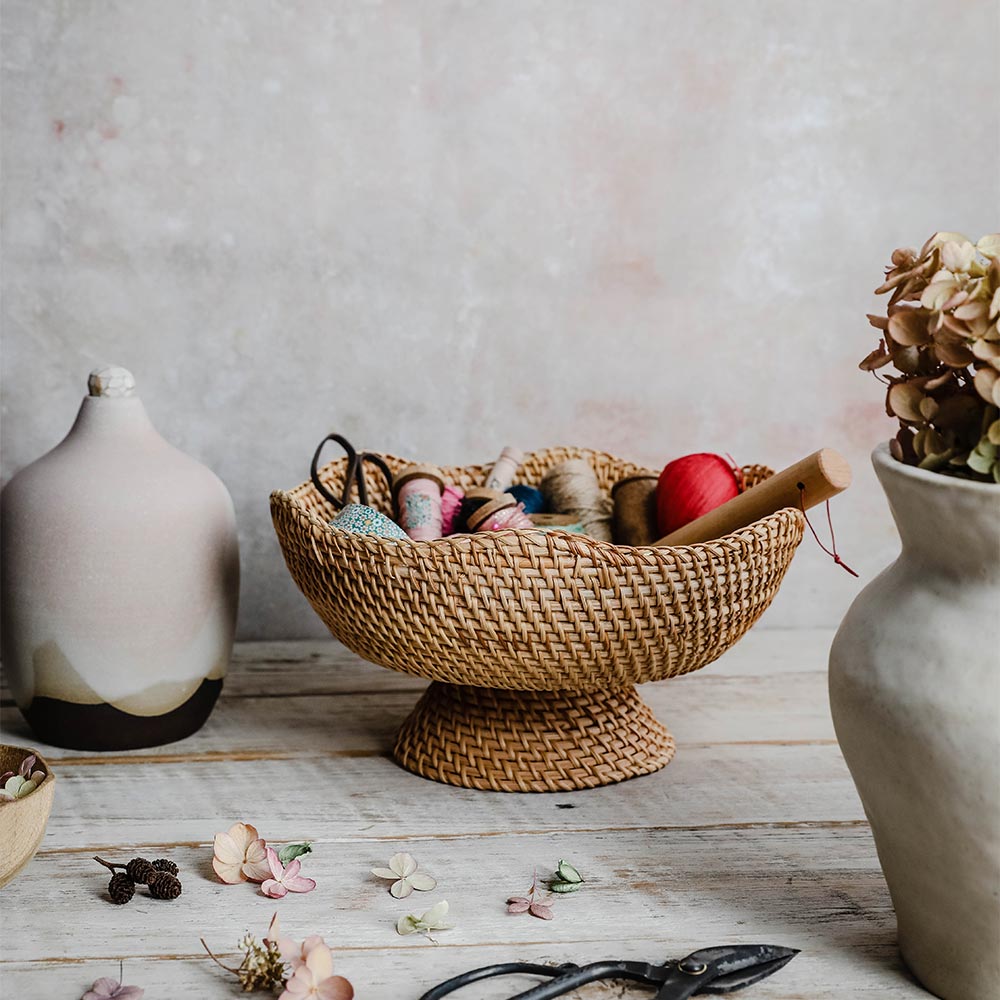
x=692, y=486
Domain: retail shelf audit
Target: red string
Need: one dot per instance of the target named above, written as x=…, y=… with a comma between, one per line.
x=832, y=552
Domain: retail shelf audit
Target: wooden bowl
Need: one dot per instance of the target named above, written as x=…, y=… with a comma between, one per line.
x=534, y=641
x=22, y=822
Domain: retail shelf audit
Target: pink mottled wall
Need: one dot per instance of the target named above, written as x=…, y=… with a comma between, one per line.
x=650, y=226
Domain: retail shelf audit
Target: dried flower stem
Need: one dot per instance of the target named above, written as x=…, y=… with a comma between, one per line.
x=235, y=971
x=107, y=864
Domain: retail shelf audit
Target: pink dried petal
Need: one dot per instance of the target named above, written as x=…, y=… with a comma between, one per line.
x=276, y=868
x=518, y=904
x=298, y=883
x=541, y=910
x=335, y=988
x=273, y=888
x=103, y=987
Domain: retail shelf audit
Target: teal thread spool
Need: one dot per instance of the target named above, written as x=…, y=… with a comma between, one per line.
x=530, y=496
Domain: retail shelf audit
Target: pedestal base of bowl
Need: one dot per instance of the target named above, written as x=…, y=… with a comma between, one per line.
x=531, y=741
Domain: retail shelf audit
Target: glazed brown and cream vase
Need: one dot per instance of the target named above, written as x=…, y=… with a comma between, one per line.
x=119, y=581
x=915, y=694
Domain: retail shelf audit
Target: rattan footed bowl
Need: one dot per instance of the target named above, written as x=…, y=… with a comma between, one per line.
x=533, y=641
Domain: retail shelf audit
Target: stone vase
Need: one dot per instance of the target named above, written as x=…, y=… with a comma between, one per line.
x=915, y=694
x=120, y=580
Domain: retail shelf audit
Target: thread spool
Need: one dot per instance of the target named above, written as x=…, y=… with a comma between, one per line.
x=633, y=518
x=557, y=522
x=474, y=498
x=360, y=519
x=505, y=468
x=691, y=486
x=500, y=514
x=572, y=488
x=451, y=504
x=417, y=495
x=530, y=496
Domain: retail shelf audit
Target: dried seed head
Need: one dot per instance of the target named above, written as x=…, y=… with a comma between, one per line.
x=121, y=888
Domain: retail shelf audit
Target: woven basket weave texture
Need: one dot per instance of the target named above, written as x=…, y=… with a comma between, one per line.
x=530, y=610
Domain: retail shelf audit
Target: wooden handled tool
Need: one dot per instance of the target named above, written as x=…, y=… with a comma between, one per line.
x=821, y=475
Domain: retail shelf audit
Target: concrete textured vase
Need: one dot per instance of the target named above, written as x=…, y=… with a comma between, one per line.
x=120, y=579
x=915, y=694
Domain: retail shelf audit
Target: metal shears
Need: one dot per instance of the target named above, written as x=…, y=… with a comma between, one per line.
x=711, y=970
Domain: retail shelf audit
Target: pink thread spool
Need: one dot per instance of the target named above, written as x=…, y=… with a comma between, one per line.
x=505, y=468
x=417, y=491
x=451, y=504
x=499, y=515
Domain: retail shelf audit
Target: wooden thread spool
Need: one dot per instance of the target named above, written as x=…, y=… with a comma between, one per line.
x=498, y=515
x=474, y=498
x=633, y=517
x=506, y=466
x=417, y=493
x=808, y=482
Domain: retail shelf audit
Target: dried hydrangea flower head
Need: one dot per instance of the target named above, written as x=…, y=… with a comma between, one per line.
x=283, y=880
x=241, y=855
x=402, y=871
x=941, y=334
x=434, y=919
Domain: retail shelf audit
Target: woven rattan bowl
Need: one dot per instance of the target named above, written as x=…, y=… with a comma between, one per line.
x=22, y=822
x=534, y=641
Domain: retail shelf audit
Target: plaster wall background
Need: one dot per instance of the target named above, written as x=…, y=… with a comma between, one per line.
x=438, y=227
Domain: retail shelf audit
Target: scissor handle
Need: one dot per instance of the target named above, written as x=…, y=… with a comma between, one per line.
x=489, y=972
x=355, y=472
x=352, y=466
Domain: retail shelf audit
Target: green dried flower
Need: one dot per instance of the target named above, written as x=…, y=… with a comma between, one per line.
x=433, y=919
x=566, y=878
x=941, y=334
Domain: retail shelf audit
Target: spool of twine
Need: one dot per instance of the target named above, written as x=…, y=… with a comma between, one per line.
x=572, y=488
x=417, y=492
x=474, y=498
x=530, y=496
x=505, y=468
x=451, y=504
x=499, y=514
x=633, y=518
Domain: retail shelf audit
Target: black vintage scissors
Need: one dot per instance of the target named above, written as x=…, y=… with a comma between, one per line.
x=711, y=970
x=355, y=474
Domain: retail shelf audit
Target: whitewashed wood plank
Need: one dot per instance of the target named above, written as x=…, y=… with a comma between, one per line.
x=317, y=795
x=869, y=970
x=713, y=709
x=647, y=895
x=323, y=666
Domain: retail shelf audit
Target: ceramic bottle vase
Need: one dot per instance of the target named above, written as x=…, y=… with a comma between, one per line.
x=915, y=693
x=119, y=581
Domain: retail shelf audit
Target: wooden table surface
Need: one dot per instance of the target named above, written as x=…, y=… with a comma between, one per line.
x=754, y=833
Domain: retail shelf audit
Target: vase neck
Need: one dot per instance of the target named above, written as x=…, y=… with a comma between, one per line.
x=948, y=523
x=111, y=419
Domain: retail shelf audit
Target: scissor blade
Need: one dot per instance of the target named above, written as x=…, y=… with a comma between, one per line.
x=738, y=966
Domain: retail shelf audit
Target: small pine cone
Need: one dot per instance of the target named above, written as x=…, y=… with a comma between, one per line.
x=121, y=888
x=163, y=865
x=139, y=870
x=163, y=885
